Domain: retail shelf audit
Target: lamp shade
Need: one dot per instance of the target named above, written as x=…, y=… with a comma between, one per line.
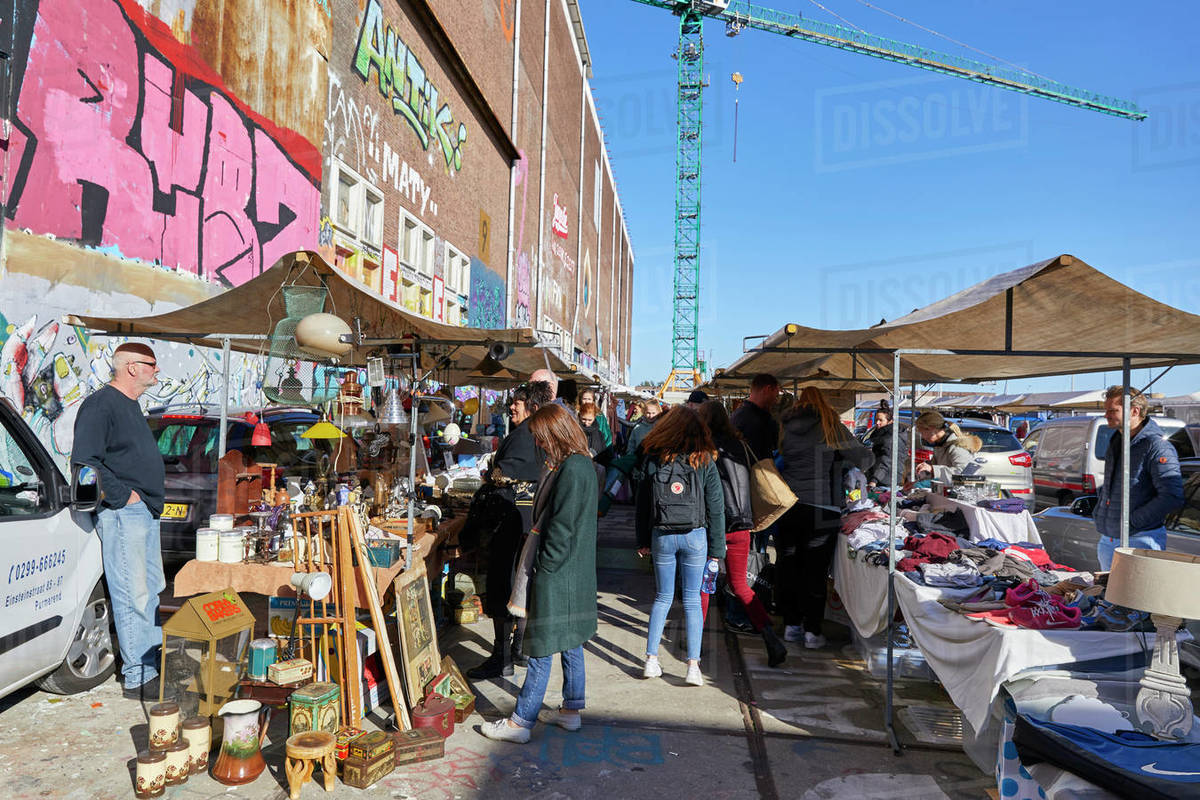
x=323, y=430
x=1155, y=581
x=261, y=436
x=451, y=434
x=392, y=411
x=320, y=335
x=316, y=585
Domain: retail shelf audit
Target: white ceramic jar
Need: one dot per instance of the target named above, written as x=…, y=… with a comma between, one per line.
x=231, y=549
x=207, y=544
x=221, y=522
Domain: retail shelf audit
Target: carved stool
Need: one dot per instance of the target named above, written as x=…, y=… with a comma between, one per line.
x=305, y=751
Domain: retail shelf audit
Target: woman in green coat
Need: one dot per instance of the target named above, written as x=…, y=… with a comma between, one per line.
x=558, y=572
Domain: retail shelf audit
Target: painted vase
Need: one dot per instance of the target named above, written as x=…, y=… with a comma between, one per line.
x=240, y=759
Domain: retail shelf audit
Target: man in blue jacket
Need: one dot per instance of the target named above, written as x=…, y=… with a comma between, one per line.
x=1155, y=482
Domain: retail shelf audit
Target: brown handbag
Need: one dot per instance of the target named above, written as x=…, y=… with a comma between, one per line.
x=770, y=496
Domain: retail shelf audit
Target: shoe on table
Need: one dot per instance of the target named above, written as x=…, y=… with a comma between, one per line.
x=566, y=721
x=491, y=668
x=813, y=641
x=147, y=692
x=653, y=669
x=793, y=633
x=1047, y=614
x=694, y=677
x=502, y=731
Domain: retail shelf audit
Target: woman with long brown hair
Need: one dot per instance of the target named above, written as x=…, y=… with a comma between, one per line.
x=680, y=520
x=556, y=584
x=816, y=450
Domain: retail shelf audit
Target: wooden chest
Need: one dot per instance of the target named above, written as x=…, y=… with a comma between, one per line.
x=315, y=708
x=361, y=773
x=371, y=745
x=418, y=744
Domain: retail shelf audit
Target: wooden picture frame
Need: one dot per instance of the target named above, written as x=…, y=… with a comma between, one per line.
x=416, y=631
x=458, y=683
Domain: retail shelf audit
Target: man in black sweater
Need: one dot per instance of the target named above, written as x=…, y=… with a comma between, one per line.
x=112, y=437
x=753, y=418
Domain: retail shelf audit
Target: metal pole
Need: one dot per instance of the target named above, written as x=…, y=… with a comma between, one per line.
x=912, y=432
x=222, y=437
x=1125, y=378
x=414, y=412
x=891, y=610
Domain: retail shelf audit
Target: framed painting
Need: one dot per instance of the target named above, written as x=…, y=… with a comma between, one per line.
x=417, y=634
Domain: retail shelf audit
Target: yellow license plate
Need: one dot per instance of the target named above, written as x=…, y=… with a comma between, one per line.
x=175, y=511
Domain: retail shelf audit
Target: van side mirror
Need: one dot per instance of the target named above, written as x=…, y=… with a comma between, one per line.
x=1084, y=506
x=86, y=491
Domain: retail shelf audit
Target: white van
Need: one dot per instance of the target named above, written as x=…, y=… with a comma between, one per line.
x=1068, y=455
x=55, y=621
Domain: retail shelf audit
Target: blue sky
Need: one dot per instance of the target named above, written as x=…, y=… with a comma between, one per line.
x=831, y=218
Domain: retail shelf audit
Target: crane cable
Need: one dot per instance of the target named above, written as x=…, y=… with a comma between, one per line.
x=839, y=16
x=949, y=39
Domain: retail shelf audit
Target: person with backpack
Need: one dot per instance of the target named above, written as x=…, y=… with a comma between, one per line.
x=734, y=460
x=680, y=521
x=817, y=450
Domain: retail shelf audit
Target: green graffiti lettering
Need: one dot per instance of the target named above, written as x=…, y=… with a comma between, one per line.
x=401, y=76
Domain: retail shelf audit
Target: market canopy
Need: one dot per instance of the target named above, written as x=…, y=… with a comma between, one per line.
x=247, y=313
x=1056, y=317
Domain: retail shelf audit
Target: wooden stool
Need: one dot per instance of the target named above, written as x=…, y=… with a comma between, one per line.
x=304, y=752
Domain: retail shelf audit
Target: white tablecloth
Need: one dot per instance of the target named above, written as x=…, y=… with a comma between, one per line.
x=987, y=524
x=862, y=589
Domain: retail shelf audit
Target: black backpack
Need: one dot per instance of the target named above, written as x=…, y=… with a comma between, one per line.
x=677, y=497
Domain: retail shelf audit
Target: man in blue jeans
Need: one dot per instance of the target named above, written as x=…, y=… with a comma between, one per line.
x=1155, y=482
x=112, y=436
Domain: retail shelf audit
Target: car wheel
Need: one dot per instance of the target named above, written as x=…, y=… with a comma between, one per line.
x=90, y=657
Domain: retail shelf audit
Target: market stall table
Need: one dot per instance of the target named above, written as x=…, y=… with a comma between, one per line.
x=985, y=523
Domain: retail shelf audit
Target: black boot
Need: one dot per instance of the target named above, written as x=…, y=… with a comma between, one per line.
x=519, y=659
x=776, y=649
x=499, y=663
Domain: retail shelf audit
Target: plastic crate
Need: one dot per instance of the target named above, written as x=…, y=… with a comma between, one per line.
x=907, y=662
x=383, y=552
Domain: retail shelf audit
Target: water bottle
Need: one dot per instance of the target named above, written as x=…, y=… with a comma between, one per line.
x=708, y=584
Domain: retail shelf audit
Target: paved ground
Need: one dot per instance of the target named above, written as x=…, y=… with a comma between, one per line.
x=811, y=730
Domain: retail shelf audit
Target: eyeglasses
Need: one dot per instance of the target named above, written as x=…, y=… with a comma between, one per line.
x=148, y=363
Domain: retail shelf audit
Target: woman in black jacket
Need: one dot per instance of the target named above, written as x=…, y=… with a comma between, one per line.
x=733, y=466
x=880, y=442
x=816, y=451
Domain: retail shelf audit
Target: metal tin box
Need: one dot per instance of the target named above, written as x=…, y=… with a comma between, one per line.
x=439, y=685
x=436, y=713
x=296, y=669
x=371, y=745
x=464, y=706
x=315, y=708
x=360, y=773
x=418, y=744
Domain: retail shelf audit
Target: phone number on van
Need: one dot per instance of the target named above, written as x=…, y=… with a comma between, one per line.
x=33, y=566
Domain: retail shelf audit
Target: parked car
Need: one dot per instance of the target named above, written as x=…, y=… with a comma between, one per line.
x=1070, y=537
x=1068, y=455
x=1001, y=459
x=55, y=622
x=188, y=440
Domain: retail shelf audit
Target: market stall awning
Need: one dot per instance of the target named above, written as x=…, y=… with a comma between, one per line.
x=1056, y=317
x=247, y=313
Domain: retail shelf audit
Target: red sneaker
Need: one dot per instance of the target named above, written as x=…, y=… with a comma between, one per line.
x=1046, y=613
x=1022, y=593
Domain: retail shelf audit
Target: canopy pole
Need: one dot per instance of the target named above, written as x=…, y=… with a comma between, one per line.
x=891, y=610
x=222, y=437
x=912, y=431
x=413, y=444
x=1125, y=378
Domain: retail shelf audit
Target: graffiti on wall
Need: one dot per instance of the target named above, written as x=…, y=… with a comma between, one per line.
x=521, y=313
x=47, y=369
x=401, y=77
x=486, y=308
x=124, y=140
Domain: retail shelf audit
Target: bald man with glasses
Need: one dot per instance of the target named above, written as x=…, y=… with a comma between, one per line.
x=113, y=437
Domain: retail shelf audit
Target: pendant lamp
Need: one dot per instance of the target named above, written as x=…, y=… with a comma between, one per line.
x=392, y=411
x=261, y=436
x=323, y=429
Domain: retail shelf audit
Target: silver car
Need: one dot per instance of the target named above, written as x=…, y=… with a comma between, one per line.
x=1002, y=459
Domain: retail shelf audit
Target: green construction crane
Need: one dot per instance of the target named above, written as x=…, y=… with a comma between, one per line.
x=739, y=15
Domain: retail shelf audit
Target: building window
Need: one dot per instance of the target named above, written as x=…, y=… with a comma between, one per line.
x=372, y=231
x=358, y=223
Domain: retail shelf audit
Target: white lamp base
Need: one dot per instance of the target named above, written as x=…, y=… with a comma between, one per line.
x=1164, y=704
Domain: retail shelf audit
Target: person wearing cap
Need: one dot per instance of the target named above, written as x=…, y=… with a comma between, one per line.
x=113, y=438
x=953, y=451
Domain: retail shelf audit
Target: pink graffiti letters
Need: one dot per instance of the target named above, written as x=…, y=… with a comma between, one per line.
x=126, y=141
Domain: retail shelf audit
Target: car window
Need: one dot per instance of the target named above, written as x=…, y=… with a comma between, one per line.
x=184, y=444
x=1104, y=436
x=1183, y=443
x=995, y=440
x=21, y=491
x=1188, y=518
x=1031, y=441
x=1062, y=448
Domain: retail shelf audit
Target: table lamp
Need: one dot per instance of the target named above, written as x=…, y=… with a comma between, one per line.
x=1167, y=585
x=316, y=586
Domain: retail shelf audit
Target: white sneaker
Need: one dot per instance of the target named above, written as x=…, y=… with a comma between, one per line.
x=653, y=669
x=568, y=722
x=501, y=731
x=693, y=675
x=813, y=641
x=793, y=633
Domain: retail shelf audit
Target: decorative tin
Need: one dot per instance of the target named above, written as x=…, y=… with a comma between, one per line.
x=179, y=764
x=439, y=685
x=464, y=706
x=283, y=672
x=345, y=736
x=315, y=708
x=164, y=726
x=361, y=773
x=436, y=713
x=465, y=615
x=151, y=775
x=262, y=655
x=198, y=733
x=418, y=744
x=370, y=746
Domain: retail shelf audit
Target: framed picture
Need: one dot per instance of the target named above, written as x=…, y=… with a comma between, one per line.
x=418, y=637
x=458, y=684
